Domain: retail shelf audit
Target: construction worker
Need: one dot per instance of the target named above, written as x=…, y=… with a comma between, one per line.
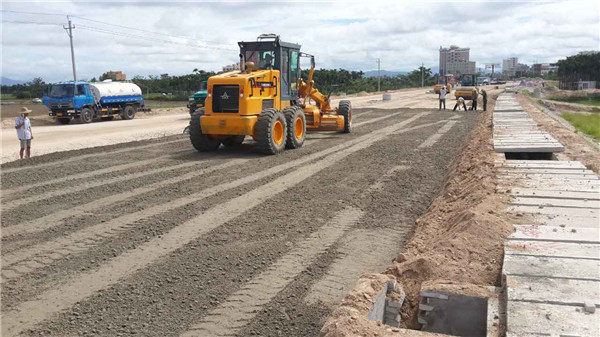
x=23, y=126
x=474, y=104
x=484, y=98
x=443, y=97
x=460, y=101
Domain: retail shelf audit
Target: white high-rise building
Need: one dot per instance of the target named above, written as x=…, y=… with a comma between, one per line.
x=455, y=61
x=509, y=66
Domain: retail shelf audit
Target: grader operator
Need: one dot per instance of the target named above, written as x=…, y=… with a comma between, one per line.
x=267, y=100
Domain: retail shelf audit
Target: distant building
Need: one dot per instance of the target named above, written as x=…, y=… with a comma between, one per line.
x=455, y=60
x=543, y=69
x=509, y=66
x=115, y=76
x=231, y=67
x=522, y=70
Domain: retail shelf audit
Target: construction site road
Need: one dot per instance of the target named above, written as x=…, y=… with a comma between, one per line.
x=57, y=138
x=152, y=238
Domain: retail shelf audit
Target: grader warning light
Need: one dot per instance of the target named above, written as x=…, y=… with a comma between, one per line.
x=267, y=100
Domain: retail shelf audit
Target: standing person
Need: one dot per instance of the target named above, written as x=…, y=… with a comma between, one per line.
x=484, y=99
x=443, y=97
x=23, y=126
x=474, y=104
x=460, y=101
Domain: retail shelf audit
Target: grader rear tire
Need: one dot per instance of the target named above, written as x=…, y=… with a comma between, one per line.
x=296, y=127
x=345, y=109
x=200, y=141
x=271, y=131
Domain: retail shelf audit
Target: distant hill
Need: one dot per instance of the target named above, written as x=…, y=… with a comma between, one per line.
x=8, y=81
x=388, y=73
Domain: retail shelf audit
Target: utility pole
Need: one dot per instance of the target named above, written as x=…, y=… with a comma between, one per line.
x=69, y=30
x=378, y=75
x=422, y=76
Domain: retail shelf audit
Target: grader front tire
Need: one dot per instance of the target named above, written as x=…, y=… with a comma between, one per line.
x=200, y=141
x=296, y=127
x=345, y=110
x=271, y=131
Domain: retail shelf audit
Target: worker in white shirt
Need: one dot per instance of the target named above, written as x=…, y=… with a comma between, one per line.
x=443, y=93
x=23, y=126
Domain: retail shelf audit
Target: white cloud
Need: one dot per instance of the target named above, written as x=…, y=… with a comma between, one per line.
x=340, y=34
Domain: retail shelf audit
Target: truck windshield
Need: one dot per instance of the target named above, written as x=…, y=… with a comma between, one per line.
x=63, y=90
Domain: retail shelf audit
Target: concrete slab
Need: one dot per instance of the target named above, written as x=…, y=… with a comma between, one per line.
x=556, y=234
x=552, y=291
x=540, y=193
x=544, y=170
x=550, y=202
x=553, y=163
x=566, y=268
x=553, y=249
x=525, y=319
x=551, y=176
x=552, y=210
x=561, y=220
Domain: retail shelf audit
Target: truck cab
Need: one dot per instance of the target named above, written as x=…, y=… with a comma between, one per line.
x=65, y=100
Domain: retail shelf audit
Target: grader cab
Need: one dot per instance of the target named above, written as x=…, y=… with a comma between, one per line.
x=267, y=100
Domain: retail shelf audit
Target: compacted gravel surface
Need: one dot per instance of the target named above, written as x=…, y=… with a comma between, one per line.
x=154, y=239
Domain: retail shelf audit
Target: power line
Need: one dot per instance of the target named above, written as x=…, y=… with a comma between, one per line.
x=139, y=30
x=152, y=39
x=112, y=24
x=33, y=23
x=34, y=13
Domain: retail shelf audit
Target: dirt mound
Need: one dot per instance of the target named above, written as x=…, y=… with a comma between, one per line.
x=460, y=239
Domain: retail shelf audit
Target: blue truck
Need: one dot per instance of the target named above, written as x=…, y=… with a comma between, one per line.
x=91, y=101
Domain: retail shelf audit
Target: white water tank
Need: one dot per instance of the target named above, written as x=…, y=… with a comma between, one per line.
x=112, y=89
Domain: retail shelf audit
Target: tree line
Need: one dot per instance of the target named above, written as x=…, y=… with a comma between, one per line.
x=583, y=66
x=328, y=81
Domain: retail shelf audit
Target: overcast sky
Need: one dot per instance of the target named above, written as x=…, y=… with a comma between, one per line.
x=350, y=35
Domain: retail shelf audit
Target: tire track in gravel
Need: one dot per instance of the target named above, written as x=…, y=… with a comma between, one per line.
x=21, y=262
x=85, y=156
x=360, y=251
x=38, y=256
x=429, y=142
x=8, y=193
x=27, y=314
x=235, y=312
x=52, y=220
x=87, y=185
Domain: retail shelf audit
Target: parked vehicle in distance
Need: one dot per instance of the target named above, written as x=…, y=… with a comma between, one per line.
x=90, y=101
x=36, y=100
x=196, y=101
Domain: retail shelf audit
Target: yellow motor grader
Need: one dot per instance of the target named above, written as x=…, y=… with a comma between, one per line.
x=267, y=100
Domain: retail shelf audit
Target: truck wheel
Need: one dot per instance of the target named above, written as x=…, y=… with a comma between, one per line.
x=201, y=142
x=128, y=112
x=270, y=131
x=86, y=115
x=345, y=109
x=296, y=127
x=64, y=120
x=233, y=141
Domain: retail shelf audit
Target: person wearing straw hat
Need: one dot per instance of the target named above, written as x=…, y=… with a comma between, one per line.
x=23, y=126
